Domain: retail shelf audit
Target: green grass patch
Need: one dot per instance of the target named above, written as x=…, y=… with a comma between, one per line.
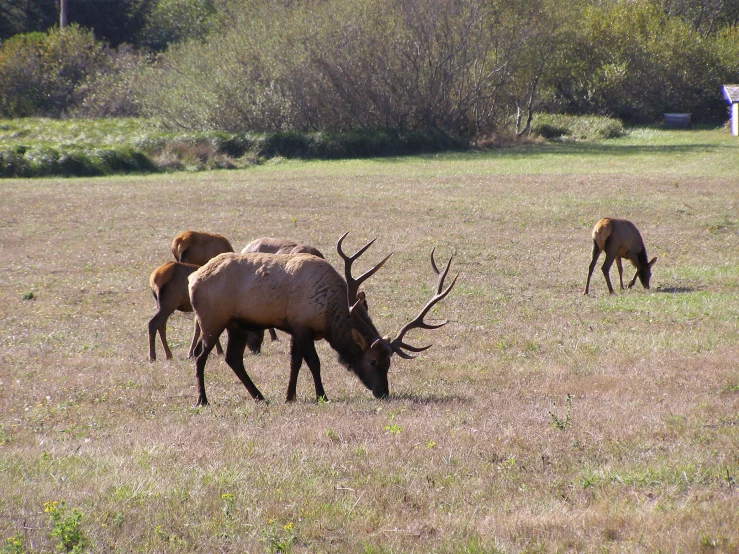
x=573, y=128
x=38, y=147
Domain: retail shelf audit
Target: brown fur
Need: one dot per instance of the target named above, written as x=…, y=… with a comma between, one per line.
x=195, y=247
x=280, y=246
x=287, y=247
x=169, y=283
x=302, y=295
x=619, y=238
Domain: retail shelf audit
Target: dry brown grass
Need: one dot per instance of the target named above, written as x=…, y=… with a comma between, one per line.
x=465, y=456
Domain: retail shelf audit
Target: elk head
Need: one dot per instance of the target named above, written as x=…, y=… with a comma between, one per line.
x=373, y=364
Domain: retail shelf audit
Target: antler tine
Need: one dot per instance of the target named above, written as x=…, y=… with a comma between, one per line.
x=433, y=262
x=418, y=323
x=352, y=283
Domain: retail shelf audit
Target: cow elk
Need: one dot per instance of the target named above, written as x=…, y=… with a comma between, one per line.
x=168, y=284
x=280, y=246
x=195, y=247
x=620, y=239
x=304, y=296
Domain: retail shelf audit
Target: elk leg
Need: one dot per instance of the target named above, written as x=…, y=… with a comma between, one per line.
x=636, y=274
x=237, y=340
x=195, y=336
x=296, y=360
x=596, y=253
x=620, y=272
x=204, y=347
x=254, y=341
x=272, y=334
x=158, y=323
x=314, y=364
x=606, y=268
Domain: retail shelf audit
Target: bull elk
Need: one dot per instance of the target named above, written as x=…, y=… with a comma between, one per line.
x=168, y=284
x=620, y=238
x=306, y=297
x=196, y=247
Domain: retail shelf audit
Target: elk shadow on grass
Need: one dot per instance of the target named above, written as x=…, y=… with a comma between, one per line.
x=431, y=399
x=676, y=290
x=419, y=399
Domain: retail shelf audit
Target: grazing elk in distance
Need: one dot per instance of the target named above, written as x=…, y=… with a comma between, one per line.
x=195, y=247
x=620, y=238
x=168, y=284
x=306, y=297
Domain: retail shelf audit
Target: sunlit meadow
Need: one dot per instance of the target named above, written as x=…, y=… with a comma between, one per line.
x=541, y=420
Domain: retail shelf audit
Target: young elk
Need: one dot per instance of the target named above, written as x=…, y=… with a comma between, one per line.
x=620, y=239
x=304, y=296
x=168, y=284
x=195, y=247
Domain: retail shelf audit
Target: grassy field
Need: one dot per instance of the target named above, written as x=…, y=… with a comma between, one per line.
x=540, y=421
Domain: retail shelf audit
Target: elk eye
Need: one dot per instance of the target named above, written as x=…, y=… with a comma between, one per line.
x=373, y=363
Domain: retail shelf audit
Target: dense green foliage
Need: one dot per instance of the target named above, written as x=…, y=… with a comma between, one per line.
x=63, y=72
x=466, y=67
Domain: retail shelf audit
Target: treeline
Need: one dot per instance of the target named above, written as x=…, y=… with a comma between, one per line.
x=467, y=67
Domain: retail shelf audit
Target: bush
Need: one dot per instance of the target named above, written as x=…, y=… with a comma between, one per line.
x=172, y=21
x=343, y=65
x=635, y=62
x=568, y=127
x=63, y=72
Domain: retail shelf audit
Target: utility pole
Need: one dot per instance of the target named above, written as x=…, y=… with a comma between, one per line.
x=62, y=14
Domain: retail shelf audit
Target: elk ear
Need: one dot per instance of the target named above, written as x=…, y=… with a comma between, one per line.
x=653, y=261
x=359, y=339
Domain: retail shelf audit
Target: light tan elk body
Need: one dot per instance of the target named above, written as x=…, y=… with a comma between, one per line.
x=195, y=247
x=620, y=238
x=290, y=248
x=169, y=284
x=304, y=296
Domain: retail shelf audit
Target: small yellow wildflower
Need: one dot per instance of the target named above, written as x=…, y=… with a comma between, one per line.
x=50, y=507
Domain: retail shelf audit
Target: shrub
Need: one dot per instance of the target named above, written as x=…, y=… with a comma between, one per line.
x=172, y=21
x=64, y=72
x=21, y=76
x=568, y=127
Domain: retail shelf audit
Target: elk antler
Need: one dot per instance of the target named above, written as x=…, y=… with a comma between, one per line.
x=397, y=345
x=352, y=284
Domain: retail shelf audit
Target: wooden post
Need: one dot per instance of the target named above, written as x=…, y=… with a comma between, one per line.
x=62, y=14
